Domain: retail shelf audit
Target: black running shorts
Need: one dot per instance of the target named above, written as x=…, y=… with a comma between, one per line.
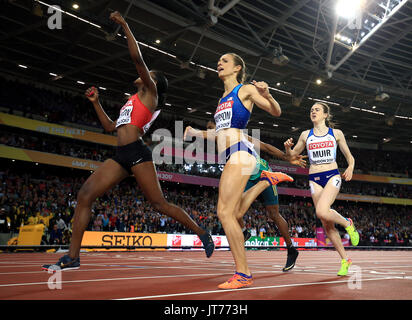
x=132, y=154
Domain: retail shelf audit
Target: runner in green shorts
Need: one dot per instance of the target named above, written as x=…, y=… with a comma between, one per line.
x=270, y=199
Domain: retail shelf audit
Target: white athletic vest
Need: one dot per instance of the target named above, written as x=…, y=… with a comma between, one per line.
x=321, y=150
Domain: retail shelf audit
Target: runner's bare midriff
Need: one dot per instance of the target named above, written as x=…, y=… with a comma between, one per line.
x=228, y=137
x=316, y=168
x=127, y=134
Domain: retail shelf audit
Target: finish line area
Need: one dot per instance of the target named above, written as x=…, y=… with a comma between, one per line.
x=183, y=275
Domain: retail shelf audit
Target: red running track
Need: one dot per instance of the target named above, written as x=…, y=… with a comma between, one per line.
x=191, y=276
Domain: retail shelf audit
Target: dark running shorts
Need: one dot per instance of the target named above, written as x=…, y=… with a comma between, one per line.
x=132, y=154
x=322, y=178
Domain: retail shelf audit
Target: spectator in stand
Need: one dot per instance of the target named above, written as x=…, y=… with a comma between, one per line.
x=66, y=237
x=113, y=221
x=32, y=219
x=163, y=221
x=253, y=232
x=3, y=221
x=61, y=225
x=105, y=221
x=45, y=218
x=56, y=235
x=121, y=225
x=262, y=232
x=98, y=224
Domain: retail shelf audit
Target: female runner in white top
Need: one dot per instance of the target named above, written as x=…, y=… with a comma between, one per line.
x=324, y=178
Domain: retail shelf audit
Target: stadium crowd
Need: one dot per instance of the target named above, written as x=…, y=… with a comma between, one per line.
x=92, y=151
x=56, y=145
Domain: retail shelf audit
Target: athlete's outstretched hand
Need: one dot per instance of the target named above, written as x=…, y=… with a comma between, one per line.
x=92, y=94
x=117, y=17
x=288, y=145
x=347, y=175
x=297, y=160
x=188, y=132
x=262, y=87
x=293, y=159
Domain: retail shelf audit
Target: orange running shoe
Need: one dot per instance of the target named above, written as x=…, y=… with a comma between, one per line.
x=239, y=280
x=275, y=177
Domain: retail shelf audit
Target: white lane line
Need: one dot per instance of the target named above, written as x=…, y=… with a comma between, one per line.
x=105, y=261
x=208, y=265
x=306, y=272
x=77, y=270
x=248, y=288
x=192, y=260
x=111, y=279
x=119, y=268
x=295, y=271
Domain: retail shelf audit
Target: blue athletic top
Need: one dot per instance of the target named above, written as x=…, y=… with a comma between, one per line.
x=231, y=113
x=321, y=149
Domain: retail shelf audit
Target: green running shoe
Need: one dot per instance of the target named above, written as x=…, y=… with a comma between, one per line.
x=345, y=264
x=353, y=234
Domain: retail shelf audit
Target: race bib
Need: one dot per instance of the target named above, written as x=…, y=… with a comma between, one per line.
x=337, y=181
x=223, y=115
x=125, y=116
x=322, y=152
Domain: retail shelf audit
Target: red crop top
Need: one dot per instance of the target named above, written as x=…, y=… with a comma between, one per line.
x=134, y=112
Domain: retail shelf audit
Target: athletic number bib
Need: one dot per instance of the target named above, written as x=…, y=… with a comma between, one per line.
x=223, y=115
x=125, y=116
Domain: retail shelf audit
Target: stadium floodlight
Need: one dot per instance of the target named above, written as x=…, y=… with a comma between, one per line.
x=364, y=19
x=348, y=9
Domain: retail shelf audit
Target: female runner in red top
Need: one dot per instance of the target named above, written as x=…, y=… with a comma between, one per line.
x=133, y=157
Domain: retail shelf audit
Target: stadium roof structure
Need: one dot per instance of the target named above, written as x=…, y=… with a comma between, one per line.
x=302, y=49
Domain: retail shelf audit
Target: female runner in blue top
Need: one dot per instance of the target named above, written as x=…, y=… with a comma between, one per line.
x=231, y=116
x=269, y=195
